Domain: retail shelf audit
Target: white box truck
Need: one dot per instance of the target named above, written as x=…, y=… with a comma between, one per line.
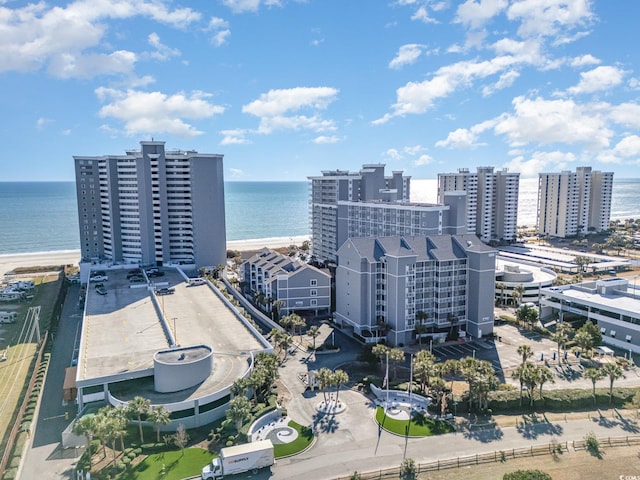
x=240, y=458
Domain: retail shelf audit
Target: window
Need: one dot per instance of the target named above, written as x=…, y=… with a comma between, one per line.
x=314, y=292
x=314, y=302
x=314, y=282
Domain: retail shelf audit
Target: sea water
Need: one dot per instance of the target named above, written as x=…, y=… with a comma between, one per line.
x=42, y=216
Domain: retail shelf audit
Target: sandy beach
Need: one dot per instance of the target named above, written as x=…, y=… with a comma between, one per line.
x=71, y=257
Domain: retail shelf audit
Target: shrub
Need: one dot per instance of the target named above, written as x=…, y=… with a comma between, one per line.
x=526, y=475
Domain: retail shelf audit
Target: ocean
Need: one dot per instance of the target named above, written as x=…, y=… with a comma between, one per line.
x=42, y=216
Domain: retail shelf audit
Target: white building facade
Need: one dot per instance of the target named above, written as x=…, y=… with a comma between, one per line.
x=492, y=201
x=572, y=203
x=611, y=303
x=152, y=206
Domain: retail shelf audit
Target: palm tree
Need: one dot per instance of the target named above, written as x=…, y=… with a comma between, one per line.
x=340, y=377
x=594, y=375
x=86, y=425
x=324, y=376
x=423, y=368
x=518, y=290
x=120, y=414
x=544, y=375
x=275, y=308
x=396, y=355
x=450, y=367
x=525, y=352
x=380, y=350
x=520, y=373
x=136, y=409
x=159, y=417
x=562, y=335
x=614, y=372
x=116, y=427
x=314, y=332
x=238, y=411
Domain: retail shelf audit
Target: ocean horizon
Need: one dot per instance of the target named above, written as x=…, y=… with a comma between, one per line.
x=41, y=217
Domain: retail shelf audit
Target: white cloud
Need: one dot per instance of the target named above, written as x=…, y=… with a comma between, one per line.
x=583, y=60
x=242, y=6
x=505, y=80
x=628, y=146
x=407, y=54
x=236, y=172
x=554, y=121
x=162, y=51
x=234, y=137
x=627, y=114
x=393, y=154
x=466, y=138
x=476, y=14
x=540, y=18
x=84, y=65
x=220, y=29
x=326, y=139
x=423, y=16
x=600, y=78
x=59, y=38
x=42, y=122
x=418, y=97
x=275, y=107
x=423, y=160
x=540, y=162
x=155, y=112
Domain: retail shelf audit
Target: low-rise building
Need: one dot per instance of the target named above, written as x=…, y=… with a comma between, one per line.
x=403, y=288
x=511, y=274
x=280, y=278
x=612, y=303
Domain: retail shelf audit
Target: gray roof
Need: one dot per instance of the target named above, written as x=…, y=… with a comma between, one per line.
x=424, y=248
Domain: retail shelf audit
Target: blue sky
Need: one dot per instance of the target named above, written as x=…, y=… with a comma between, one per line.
x=288, y=88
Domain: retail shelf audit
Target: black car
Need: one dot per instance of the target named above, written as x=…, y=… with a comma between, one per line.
x=165, y=291
x=155, y=274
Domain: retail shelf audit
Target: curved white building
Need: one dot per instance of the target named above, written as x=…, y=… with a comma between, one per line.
x=533, y=277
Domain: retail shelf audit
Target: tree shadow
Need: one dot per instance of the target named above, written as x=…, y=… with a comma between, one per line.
x=534, y=425
x=325, y=423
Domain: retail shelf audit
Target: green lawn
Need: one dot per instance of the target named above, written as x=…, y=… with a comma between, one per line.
x=419, y=426
x=176, y=465
x=305, y=437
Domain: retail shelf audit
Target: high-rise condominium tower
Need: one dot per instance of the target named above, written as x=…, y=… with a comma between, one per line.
x=492, y=200
x=367, y=204
x=571, y=203
x=152, y=206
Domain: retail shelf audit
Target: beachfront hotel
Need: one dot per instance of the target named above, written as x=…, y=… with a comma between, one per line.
x=572, y=203
x=152, y=206
x=492, y=201
x=404, y=289
x=367, y=203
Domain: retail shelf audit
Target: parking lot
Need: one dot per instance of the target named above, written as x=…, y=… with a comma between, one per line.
x=503, y=356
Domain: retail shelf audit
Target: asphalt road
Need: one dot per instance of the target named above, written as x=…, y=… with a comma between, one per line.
x=43, y=457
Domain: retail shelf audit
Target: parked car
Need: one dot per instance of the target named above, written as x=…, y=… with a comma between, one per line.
x=98, y=273
x=165, y=291
x=137, y=279
x=101, y=290
x=155, y=274
x=152, y=270
x=134, y=273
x=99, y=278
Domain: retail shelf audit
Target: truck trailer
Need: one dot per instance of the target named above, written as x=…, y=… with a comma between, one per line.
x=239, y=459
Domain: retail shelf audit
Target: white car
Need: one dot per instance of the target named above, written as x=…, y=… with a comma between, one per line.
x=99, y=278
